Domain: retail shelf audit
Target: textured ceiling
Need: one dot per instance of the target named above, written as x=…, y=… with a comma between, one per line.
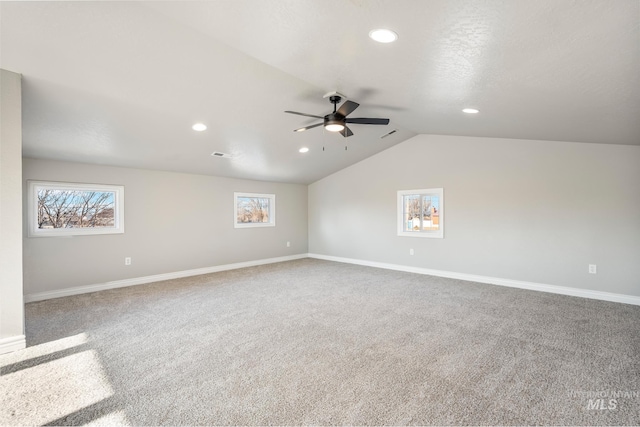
x=121, y=83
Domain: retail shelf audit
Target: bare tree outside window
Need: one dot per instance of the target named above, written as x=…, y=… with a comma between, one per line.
x=75, y=209
x=254, y=210
x=63, y=209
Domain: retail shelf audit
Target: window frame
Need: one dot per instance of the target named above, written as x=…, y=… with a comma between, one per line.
x=438, y=234
x=32, y=205
x=272, y=210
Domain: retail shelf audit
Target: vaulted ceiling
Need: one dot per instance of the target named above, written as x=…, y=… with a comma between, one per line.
x=121, y=83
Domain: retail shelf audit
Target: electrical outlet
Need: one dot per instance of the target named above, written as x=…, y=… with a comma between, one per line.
x=592, y=269
x=288, y=244
x=411, y=251
x=127, y=261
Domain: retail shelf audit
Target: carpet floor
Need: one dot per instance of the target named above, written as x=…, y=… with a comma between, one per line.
x=313, y=342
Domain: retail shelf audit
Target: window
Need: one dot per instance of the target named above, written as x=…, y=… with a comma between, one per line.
x=255, y=210
x=421, y=213
x=72, y=209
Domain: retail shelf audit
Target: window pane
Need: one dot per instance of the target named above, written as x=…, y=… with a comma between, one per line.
x=430, y=212
x=75, y=209
x=420, y=213
x=412, y=212
x=252, y=210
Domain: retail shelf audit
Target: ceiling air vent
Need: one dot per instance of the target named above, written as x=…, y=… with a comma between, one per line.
x=219, y=154
x=389, y=133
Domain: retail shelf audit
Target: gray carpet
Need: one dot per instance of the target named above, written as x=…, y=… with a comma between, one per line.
x=317, y=342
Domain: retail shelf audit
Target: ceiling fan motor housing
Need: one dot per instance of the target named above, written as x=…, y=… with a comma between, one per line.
x=334, y=119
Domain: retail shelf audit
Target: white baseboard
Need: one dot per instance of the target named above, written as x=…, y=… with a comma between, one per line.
x=15, y=343
x=40, y=296
x=563, y=290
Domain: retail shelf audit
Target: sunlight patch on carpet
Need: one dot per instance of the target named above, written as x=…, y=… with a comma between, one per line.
x=53, y=389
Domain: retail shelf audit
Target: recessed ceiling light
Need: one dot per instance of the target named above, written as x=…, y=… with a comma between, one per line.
x=199, y=127
x=470, y=111
x=382, y=35
x=303, y=150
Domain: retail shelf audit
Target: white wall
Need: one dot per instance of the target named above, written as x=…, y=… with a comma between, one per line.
x=11, y=301
x=173, y=222
x=533, y=211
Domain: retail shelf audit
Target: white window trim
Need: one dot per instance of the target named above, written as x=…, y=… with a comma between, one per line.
x=32, y=203
x=438, y=234
x=272, y=210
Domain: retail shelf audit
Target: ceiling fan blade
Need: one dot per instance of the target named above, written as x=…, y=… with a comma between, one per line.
x=347, y=108
x=366, y=121
x=308, y=127
x=346, y=132
x=304, y=114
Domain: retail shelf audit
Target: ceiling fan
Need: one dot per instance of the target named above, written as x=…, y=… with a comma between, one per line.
x=337, y=121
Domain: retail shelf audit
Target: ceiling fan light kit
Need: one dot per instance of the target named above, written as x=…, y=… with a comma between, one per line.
x=337, y=121
x=334, y=122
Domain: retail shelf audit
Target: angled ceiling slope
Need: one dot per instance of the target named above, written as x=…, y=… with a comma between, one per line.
x=121, y=83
